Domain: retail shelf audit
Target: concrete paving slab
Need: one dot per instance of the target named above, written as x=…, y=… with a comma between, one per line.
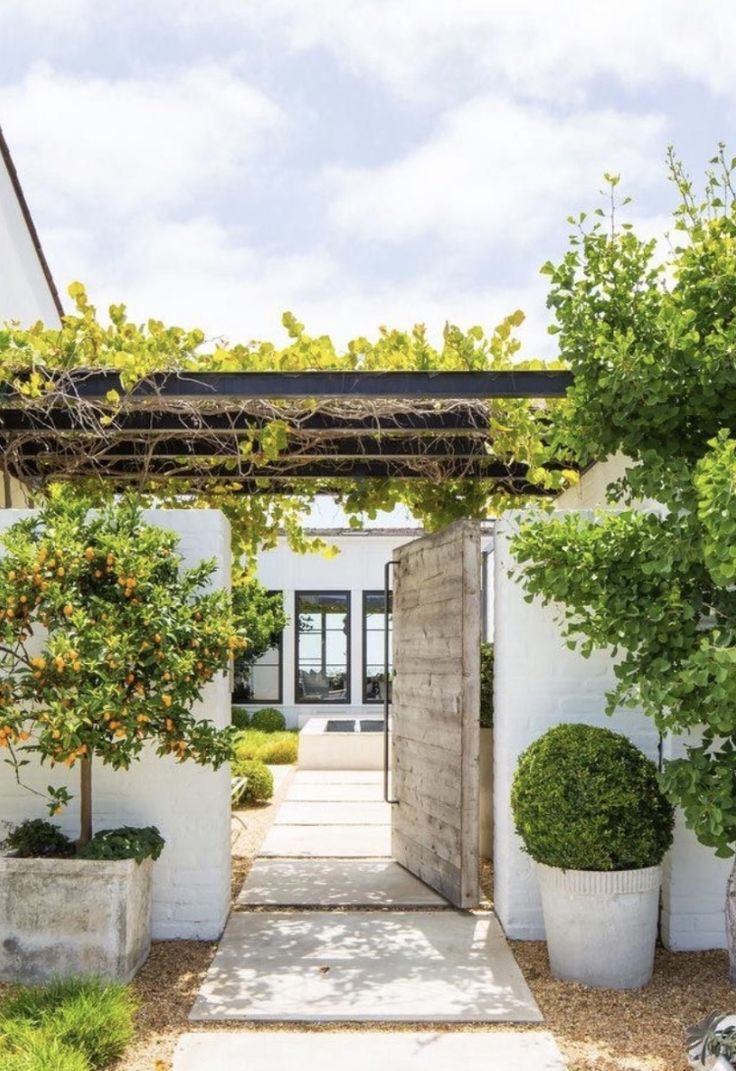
x=328, y=842
x=281, y=775
x=342, y=813
x=334, y=883
x=338, y=777
x=263, y=1051
x=399, y=966
x=327, y=792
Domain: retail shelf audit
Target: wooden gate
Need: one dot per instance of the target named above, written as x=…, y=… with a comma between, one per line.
x=435, y=710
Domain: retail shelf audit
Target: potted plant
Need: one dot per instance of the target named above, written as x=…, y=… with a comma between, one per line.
x=105, y=645
x=588, y=807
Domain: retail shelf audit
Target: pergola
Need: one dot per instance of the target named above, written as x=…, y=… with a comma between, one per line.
x=203, y=427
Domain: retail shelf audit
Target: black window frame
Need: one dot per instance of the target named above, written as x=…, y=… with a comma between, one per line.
x=349, y=660
x=280, y=647
x=364, y=668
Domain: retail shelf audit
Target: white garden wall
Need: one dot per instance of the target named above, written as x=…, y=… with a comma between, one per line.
x=190, y=804
x=538, y=683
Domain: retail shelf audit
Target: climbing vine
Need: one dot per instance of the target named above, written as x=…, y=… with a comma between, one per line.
x=43, y=367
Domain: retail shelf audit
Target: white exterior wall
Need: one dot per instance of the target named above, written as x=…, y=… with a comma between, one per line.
x=539, y=683
x=24, y=290
x=190, y=804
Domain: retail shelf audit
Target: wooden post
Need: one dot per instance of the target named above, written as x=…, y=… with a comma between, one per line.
x=85, y=810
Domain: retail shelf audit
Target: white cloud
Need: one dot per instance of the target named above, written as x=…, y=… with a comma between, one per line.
x=535, y=48
x=93, y=146
x=495, y=173
x=197, y=273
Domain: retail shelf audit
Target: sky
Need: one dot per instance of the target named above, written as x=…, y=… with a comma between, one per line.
x=358, y=162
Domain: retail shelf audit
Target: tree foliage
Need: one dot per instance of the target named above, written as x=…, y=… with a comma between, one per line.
x=106, y=642
x=650, y=334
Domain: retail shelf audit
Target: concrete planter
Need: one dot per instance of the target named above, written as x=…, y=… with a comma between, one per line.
x=486, y=793
x=73, y=916
x=601, y=926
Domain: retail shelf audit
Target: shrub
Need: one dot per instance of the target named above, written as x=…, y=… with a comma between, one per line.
x=240, y=717
x=282, y=751
x=584, y=798
x=84, y=1015
x=268, y=720
x=486, y=685
x=36, y=838
x=128, y=842
x=258, y=787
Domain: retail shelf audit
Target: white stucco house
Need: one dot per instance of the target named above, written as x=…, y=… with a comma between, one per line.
x=330, y=660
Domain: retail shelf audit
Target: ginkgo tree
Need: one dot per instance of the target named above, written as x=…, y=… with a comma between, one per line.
x=106, y=643
x=650, y=334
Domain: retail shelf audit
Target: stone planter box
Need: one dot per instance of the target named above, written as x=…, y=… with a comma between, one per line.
x=486, y=793
x=73, y=916
x=601, y=926
x=322, y=746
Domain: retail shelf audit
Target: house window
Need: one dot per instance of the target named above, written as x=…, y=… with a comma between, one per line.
x=374, y=634
x=262, y=681
x=323, y=647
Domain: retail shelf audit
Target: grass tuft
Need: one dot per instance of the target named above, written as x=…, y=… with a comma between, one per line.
x=88, y=1017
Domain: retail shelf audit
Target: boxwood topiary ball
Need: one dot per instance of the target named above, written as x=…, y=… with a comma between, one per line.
x=268, y=720
x=584, y=798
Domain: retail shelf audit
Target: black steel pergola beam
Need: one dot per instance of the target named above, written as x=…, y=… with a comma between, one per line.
x=239, y=386
x=52, y=420
x=339, y=468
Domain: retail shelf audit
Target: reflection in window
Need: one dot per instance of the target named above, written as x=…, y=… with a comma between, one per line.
x=260, y=682
x=322, y=647
x=374, y=631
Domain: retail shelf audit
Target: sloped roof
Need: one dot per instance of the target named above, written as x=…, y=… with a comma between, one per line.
x=28, y=219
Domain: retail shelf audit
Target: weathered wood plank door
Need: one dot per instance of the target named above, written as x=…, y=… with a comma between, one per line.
x=435, y=710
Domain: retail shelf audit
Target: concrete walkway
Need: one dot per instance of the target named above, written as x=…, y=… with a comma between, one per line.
x=431, y=965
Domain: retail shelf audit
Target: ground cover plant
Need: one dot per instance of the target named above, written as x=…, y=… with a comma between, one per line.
x=106, y=642
x=275, y=748
x=650, y=334
x=75, y=1024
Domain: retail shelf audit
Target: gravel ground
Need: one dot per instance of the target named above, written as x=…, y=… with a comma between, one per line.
x=596, y=1030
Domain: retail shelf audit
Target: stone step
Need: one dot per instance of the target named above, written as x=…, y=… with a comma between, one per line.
x=364, y=966
x=332, y=813
x=334, y=883
x=324, y=842
x=502, y=1050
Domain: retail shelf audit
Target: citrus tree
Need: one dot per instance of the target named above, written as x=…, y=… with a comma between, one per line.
x=106, y=642
x=650, y=334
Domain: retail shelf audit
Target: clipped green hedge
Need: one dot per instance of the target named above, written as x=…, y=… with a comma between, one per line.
x=258, y=785
x=240, y=717
x=268, y=720
x=584, y=798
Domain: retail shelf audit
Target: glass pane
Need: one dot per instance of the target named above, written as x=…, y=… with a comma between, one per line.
x=373, y=648
x=322, y=647
x=264, y=682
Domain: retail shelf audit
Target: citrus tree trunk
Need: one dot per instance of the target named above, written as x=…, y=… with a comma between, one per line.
x=85, y=798
x=731, y=922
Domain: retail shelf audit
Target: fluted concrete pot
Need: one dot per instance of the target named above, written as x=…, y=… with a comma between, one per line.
x=62, y=917
x=601, y=926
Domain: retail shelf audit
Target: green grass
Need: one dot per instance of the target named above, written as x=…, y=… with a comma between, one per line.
x=75, y=1024
x=276, y=749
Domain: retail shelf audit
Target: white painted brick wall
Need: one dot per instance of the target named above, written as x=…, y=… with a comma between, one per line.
x=538, y=683
x=190, y=804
